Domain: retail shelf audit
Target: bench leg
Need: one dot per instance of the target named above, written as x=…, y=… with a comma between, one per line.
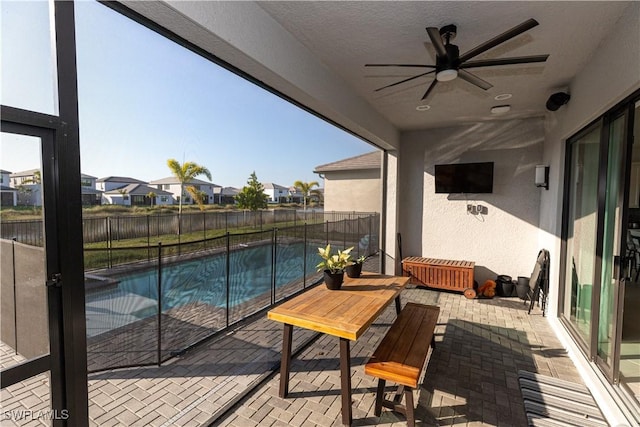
x=398, y=306
x=285, y=363
x=408, y=394
x=433, y=341
x=345, y=381
x=379, y=397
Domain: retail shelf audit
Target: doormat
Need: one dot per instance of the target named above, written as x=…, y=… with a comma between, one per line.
x=551, y=402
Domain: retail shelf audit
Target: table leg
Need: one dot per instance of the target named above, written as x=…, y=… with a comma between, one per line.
x=345, y=380
x=285, y=364
x=398, y=306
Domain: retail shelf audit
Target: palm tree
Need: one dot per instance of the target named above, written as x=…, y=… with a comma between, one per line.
x=185, y=173
x=198, y=196
x=306, y=188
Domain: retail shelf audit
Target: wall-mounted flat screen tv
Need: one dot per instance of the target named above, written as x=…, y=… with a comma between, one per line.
x=464, y=178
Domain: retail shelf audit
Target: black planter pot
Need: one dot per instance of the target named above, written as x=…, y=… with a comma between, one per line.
x=522, y=288
x=354, y=270
x=333, y=280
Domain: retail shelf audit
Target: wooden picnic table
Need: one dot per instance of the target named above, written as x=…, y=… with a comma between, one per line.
x=345, y=313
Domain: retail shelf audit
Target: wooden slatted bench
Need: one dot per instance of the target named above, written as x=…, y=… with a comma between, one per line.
x=401, y=356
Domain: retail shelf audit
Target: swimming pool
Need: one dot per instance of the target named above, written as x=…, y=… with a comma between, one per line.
x=203, y=280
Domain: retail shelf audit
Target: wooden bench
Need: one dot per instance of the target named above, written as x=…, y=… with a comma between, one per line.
x=439, y=273
x=401, y=356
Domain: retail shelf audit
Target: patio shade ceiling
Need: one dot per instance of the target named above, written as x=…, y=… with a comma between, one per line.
x=340, y=37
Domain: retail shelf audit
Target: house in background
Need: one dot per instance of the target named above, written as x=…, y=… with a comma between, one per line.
x=228, y=195
x=138, y=195
x=8, y=195
x=28, y=187
x=90, y=194
x=353, y=184
x=295, y=196
x=113, y=182
x=276, y=193
x=172, y=185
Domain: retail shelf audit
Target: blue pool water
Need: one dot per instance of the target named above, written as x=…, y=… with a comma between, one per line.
x=204, y=279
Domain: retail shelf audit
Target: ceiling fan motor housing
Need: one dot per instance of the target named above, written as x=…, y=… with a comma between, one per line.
x=450, y=61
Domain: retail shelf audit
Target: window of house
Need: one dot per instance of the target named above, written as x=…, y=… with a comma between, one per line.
x=164, y=198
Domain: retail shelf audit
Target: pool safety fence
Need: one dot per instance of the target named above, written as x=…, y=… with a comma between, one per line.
x=113, y=230
x=148, y=304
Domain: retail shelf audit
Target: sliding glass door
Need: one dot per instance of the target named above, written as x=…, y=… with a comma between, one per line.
x=582, y=208
x=601, y=244
x=613, y=272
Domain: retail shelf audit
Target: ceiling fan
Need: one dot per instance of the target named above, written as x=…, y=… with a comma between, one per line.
x=450, y=64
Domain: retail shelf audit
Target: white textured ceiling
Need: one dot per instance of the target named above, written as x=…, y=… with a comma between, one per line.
x=346, y=35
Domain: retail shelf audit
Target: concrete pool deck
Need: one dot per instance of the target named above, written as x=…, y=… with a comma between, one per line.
x=470, y=380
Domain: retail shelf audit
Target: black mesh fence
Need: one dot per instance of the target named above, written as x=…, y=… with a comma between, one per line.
x=146, y=304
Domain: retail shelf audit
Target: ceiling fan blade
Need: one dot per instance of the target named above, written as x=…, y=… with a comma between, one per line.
x=505, y=61
x=431, y=86
x=475, y=80
x=405, y=80
x=400, y=65
x=517, y=30
x=436, y=40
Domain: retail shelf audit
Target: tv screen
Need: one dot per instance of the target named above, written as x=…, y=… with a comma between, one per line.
x=464, y=178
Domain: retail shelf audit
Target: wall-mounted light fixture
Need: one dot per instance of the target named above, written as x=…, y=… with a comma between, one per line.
x=542, y=176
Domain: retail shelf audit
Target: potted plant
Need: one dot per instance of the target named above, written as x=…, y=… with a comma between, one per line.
x=333, y=266
x=355, y=269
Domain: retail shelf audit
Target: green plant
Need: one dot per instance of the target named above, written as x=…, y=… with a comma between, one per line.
x=361, y=259
x=252, y=196
x=335, y=263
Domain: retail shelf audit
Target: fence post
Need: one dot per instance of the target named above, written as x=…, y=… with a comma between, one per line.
x=274, y=244
x=159, y=303
x=148, y=239
x=358, y=236
x=304, y=257
x=327, y=231
x=109, y=243
x=227, y=279
x=15, y=297
x=204, y=230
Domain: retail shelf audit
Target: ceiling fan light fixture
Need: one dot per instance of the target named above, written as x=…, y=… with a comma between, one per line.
x=423, y=107
x=500, y=109
x=446, y=75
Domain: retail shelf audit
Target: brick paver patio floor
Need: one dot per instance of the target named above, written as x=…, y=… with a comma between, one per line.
x=471, y=378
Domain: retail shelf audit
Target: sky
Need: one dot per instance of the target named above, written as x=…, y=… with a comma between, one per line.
x=143, y=99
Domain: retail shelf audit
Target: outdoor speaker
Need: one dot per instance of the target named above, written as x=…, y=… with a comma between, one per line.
x=557, y=100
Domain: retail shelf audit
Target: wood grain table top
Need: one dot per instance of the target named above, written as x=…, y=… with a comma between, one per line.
x=345, y=313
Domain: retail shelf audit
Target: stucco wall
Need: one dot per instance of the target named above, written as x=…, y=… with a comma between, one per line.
x=502, y=241
x=359, y=191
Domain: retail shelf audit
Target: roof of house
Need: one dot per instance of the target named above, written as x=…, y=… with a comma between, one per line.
x=361, y=162
x=174, y=180
x=271, y=186
x=121, y=179
x=230, y=191
x=138, y=190
x=29, y=172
